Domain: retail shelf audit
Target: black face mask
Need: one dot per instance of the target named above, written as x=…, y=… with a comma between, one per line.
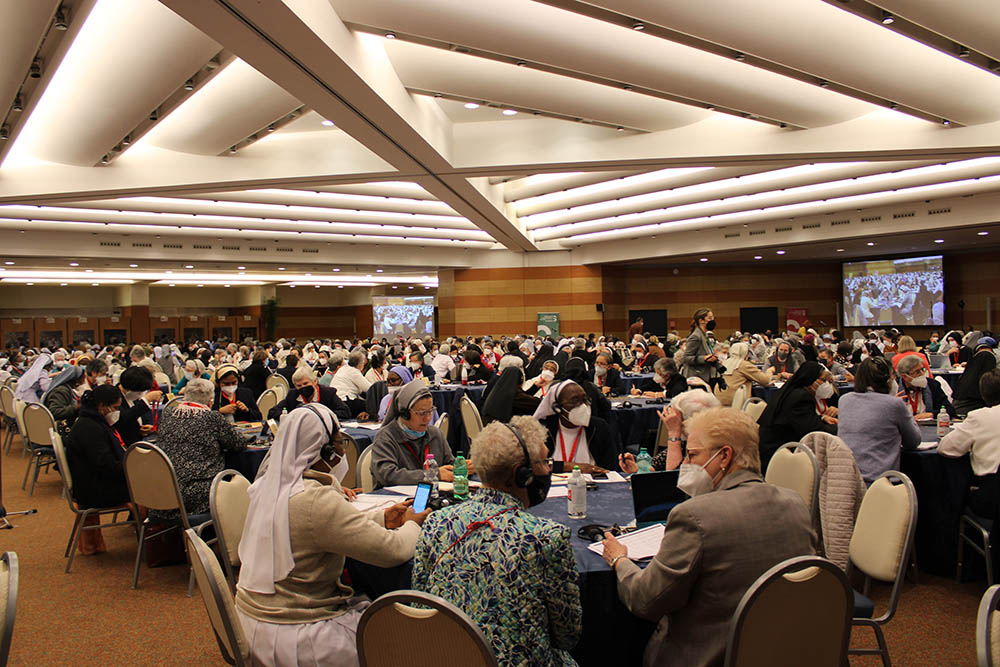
x=306, y=392
x=782, y=355
x=538, y=490
x=710, y=325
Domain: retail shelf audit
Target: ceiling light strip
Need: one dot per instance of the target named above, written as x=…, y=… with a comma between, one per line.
x=573, y=74
x=266, y=129
x=625, y=21
x=320, y=199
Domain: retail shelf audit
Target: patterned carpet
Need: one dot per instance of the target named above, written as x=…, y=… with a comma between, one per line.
x=92, y=616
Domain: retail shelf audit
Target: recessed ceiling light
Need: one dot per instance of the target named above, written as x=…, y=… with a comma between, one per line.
x=169, y=271
x=316, y=286
x=336, y=269
x=62, y=284
x=871, y=243
x=703, y=259
x=29, y=283
x=394, y=287
x=9, y=263
x=308, y=274
x=95, y=284
x=172, y=285
x=189, y=266
x=840, y=250
x=89, y=271
x=390, y=35
x=984, y=233
x=281, y=268
x=781, y=252
x=471, y=105
x=426, y=287
x=74, y=263
x=243, y=273
x=638, y=25
x=378, y=270
x=241, y=267
x=887, y=18
x=200, y=285
x=133, y=266
x=411, y=287
x=938, y=240
x=509, y=112
x=225, y=285
x=757, y=257
x=340, y=287
x=327, y=122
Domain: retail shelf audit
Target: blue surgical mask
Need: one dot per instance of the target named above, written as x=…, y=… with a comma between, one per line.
x=411, y=434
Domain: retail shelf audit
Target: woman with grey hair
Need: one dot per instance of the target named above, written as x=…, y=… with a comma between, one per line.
x=512, y=572
x=195, y=439
x=682, y=407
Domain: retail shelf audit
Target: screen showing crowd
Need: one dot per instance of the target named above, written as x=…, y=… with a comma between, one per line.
x=894, y=292
x=406, y=315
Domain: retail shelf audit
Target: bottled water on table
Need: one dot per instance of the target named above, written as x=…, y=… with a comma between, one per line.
x=461, y=473
x=431, y=474
x=577, y=498
x=943, y=423
x=644, y=461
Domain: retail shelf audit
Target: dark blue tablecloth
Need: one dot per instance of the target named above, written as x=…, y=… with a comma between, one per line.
x=767, y=393
x=445, y=396
x=636, y=425
x=635, y=380
x=611, y=635
x=248, y=461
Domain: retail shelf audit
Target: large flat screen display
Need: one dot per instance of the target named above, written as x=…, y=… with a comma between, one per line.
x=896, y=292
x=404, y=315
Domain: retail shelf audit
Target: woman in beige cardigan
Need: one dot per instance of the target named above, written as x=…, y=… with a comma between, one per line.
x=740, y=373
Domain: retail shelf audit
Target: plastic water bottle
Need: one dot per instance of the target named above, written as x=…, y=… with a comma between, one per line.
x=577, y=498
x=461, y=473
x=431, y=474
x=465, y=374
x=644, y=461
x=943, y=423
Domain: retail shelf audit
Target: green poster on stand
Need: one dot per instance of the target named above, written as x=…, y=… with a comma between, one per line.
x=548, y=324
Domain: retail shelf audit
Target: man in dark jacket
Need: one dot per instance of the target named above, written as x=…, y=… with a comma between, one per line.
x=606, y=377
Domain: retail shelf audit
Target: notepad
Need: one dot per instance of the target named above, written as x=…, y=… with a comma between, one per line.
x=372, y=501
x=403, y=489
x=558, y=492
x=641, y=544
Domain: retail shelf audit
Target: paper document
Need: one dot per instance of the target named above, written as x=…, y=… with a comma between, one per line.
x=641, y=544
x=403, y=489
x=563, y=478
x=613, y=477
x=927, y=445
x=558, y=492
x=371, y=501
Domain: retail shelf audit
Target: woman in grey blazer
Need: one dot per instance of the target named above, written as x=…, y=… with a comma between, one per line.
x=699, y=358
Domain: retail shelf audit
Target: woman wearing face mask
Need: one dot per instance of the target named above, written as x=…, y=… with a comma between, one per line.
x=733, y=529
x=794, y=411
x=740, y=373
x=94, y=452
x=35, y=380
x=395, y=379
x=506, y=397
x=874, y=423
x=138, y=389
x=406, y=438
x=699, y=358
x=528, y=601
x=294, y=607
x=193, y=369
x=539, y=386
x=232, y=400
x=478, y=372
x=920, y=391
x=63, y=397
x=376, y=371
x=665, y=383
x=674, y=417
x=576, y=438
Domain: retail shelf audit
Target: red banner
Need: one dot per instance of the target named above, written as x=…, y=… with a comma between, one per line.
x=795, y=318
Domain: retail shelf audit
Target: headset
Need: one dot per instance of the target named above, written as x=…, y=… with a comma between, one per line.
x=524, y=475
x=328, y=450
x=405, y=412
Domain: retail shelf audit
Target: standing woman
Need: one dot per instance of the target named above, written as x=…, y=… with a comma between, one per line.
x=699, y=358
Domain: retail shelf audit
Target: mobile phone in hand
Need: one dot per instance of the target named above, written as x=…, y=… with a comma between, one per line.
x=421, y=497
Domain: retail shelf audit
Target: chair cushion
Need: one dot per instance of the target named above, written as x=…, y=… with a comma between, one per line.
x=863, y=607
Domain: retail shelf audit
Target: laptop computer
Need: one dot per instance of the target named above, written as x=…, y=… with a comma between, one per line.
x=654, y=494
x=940, y=361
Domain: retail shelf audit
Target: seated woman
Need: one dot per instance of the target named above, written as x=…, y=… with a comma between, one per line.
x=256, y=374
x=979, y=436
x=195, y=439
x=300, y=527
x=575, y=437
x=539, y=385
x=666, y=382
x=793, y=412
x=406, y=438
x=232, y=400
x=873, y=422
x=395, y=378
x=740, y=373
x=477, y=371
x=35, y=380
x=921, y=391
x=716, y=544
x=907, y=347
x=193, y=369
x=674, y=417
x=506, y=398
x=63, y=397
x=140, y=392
x=515, y=574
x=967, y=397
x=95, y=452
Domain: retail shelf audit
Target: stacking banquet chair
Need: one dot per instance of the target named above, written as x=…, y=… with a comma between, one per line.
x=442, y=424
x=9, y=418
x=218, y=600
x=279, y=384
x=38, y=424
x=9, y=578
x=470, y=417
x=267, y=400
x=795, y=467
x=797, y=613
x=228, y=502
x=365, y=476
x=755, y=407
x=19, y=407
x=739, y=398
x=152, y=483
x=881, y=546
x=82, y=514
x=981, y=527
x=351, y=479
x=439, y=634
x=988, y=628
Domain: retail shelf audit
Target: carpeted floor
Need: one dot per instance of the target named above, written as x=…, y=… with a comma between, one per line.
x=92, y=616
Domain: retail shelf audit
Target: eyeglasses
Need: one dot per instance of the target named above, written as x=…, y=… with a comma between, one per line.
x=423, y=413
x=547, y=462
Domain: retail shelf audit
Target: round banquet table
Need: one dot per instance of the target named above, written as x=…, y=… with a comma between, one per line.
x=248, y=461
x=636, y=425
x=611, y=634
x=444, y=395
x=634, y=380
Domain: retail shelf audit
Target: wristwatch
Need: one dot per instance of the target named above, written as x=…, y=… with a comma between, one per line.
x=614, y=561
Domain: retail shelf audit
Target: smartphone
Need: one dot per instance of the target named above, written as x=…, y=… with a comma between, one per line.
x=421, y=497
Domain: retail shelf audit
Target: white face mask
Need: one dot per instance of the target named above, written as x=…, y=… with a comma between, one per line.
x=580, y=415
x=189, y=375
x=919, y=382
x=111, y=417
x=229, y=389
x=893, y=387
x=694, y=480
x=133, y=396
x=416, y=365
x=548, y=375
x=340, y=470
x=825, y=391
x=393, y=390
x=101, y=379
x=659, y=379
x=600, y=371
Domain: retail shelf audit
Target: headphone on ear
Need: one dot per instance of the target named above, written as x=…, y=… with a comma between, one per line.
x=524, y=475
x=328, y=450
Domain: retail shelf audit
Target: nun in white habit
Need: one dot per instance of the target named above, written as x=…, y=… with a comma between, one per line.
x=299, y=529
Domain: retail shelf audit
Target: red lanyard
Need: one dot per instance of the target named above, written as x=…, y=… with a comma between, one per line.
x=120, y=441
x=427, y=449
x=379, y=375
x=600, y=380
x=562, y=445
x=643, y=362
x=472, y=527
x=821, y=406
x=232, y=401
x=195, y=405
x=914, y=400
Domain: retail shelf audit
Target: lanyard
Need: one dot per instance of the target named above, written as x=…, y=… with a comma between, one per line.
x=427, y=449
x=232, y=401
x=378, y=374
x=914, y=400
x=600, y=380
x=821, y=405
x=562, y=445
x=472, y=527
x=119, y=438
